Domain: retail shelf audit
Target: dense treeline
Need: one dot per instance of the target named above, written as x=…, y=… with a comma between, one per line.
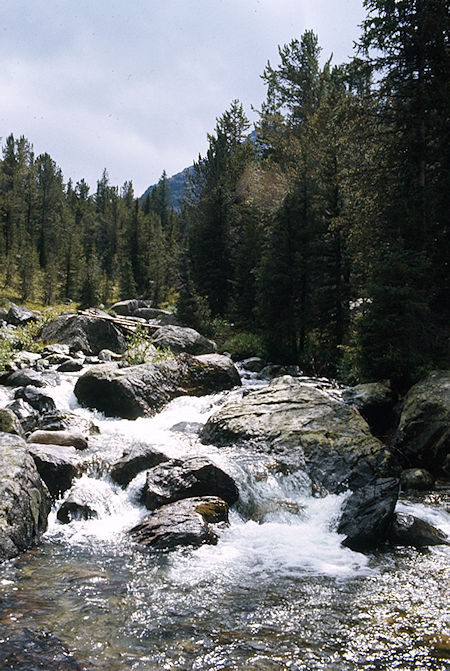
x=324, y=231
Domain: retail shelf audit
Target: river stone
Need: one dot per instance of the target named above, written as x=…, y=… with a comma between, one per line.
x=253, y=364
x=368, y=514
x=27, y=416
x=183, y=523
x=25, y=377
x=375, y=401
x=138, y=459
x=69, y=438
x=423, y=436
x=416, y=479
x=70, y=366
x=176, y=479
x=182, y=339
x=36, y=398
x=57, y=465
x=308, y=429
x=24, y=498
x=23, y=649
x=87, y=499
x=9, y=422
x=137, y=391
x=410, y=530
x=88, y=333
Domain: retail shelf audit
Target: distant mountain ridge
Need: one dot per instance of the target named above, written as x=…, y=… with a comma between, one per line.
x=176, y=186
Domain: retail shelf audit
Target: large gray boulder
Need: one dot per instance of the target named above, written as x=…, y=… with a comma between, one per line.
x=19, y=315
x=128, y=307
x=375, y=401
x=190, y=522
x=305, y=428
x=142, y=390
x=423, y=436
x=24, y=498
x=88, y=333
x=182, y=339
x=175, y=480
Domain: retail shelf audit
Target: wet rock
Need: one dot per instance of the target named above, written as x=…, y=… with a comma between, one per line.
x=27, y=416
x=24, y=498
x=175, y=480
x=186, y=427
x=423, y=435
x=368, y=514
x=409, y=530
x=254, y=364
x=36, y=398
x=189, y=522
x=272, y=371
x=23, y=649
x=67, y=438
x=53, y=420
x=88, y=333
x=416, y=479
x=25, y=377
x=128, y=308
x=136, y=391
x=375, y=401
x=322, y=436
x=182, y=339
x=57, y=465
x=19, y=315
x=87, y=499
x=138, y=459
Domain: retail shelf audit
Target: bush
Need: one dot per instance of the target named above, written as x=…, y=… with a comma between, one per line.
x=243, y=345
x=140, y=348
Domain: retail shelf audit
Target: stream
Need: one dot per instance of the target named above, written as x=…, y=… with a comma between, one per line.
x=278, y=592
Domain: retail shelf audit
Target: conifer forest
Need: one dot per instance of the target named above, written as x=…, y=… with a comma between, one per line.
x=319, y=237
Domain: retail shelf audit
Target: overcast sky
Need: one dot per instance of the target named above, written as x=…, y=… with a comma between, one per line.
x=134, y=86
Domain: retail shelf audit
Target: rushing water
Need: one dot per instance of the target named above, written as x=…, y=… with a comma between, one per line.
x=277, y=592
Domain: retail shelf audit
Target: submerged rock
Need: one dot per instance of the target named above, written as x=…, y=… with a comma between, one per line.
x=86, y=500
x=88, y=333
x=423, y=435
x=368, y=514
x=175, y=480
x=189, y=522
x=307, y=429
x=141, y=390
x=24, y=498
x=182, y=339
x=138, y=459
x=23, y=649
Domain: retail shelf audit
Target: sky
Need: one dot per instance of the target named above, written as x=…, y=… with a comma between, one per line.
x=134, y=86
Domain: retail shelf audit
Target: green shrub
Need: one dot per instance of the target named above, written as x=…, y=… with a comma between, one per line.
x=140, y=348
x=243, y=345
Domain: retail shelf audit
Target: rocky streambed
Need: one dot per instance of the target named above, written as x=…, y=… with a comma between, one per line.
x=168, y=516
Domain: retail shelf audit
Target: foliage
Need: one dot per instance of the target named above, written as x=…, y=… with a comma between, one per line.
x=243, y=344
x=22, y=338
x=140, y=348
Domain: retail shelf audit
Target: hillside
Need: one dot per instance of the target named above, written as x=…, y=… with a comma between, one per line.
x=176, y=185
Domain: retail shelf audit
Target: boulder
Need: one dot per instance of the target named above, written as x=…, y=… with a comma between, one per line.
x=375, y=401
x=57, y=465
x=182, y=339
x=189, y=522
x=67, y=438
x=19, y=315
x=88, y=333
x=27, y=416
x=136, y=391
x=138, y=459
x=24, y=498
x=128, y=308
x=9, y=422
x=25, y=377
x=175, y=480
x=409, y=530
x=368, y=514
x=416, y=479
x=304, y=428
x=423, y=436
x=36, y=398
x=87, y=499
x=70, y=366
x=253, y=364
x=163, y=317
